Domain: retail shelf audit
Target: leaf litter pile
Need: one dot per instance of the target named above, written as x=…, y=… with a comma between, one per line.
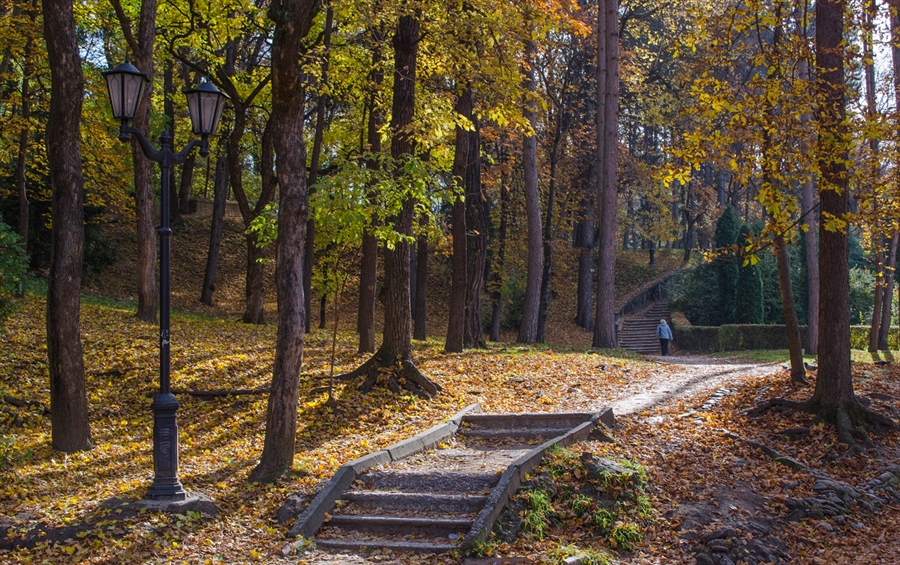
x=710, y=491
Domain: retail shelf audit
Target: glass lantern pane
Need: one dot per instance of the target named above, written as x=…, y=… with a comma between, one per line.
x=133, y=84
x=220, y=105
x=194, y=111
x=208, y=100
x=114, y=86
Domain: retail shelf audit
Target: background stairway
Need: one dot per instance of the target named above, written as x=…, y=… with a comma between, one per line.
x=638, y=331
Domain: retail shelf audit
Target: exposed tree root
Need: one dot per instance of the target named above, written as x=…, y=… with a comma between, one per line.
x=851, y=420
x=771, y=453
x=776, y=403
x=22, y=403
x=396, y=377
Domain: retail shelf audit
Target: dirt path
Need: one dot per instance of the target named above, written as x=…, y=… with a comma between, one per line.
x=685, y=376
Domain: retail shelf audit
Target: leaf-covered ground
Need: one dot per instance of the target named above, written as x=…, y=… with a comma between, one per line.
x=69, y=509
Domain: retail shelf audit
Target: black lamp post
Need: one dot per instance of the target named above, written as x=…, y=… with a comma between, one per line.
x=205, y=105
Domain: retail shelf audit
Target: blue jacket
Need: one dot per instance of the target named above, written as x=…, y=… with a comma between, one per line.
x=663, y=331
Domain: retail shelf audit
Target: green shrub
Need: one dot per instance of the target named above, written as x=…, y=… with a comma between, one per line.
x=13, y=266
x=749, y=291
x=862, y=295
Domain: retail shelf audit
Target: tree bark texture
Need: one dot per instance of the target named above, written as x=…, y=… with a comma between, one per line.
x=293, y=19
x=477, y=222
x=547, y=272
x=420, y=316
x=70, y=428
x=25, y=137
x=886, y=308
x=185, y=184
x=834, y=399
x=870, y=12
x=535, y=259
x=808, y=203
x=584, y=242
x=396, y=346
x=318, y=137
x=169, y=111
x=142, y=52
x=497, y=266
x=791, y=323
x=457, y=315
x=220, y=193
x=608, y=84
x=368, y=274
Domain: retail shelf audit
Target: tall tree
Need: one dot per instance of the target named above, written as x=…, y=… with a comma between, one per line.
x=607, y=133
x=368, y=265
x=141, y=47
x=220, y=193
x=477, y=221
x=293, y=19
x=396, y=346
x=834, y=399
x=318, y=138
x=70, y=428
x=457, y=315
x=535, y=259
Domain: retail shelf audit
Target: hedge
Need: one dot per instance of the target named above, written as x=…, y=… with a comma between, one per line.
x=731, y=337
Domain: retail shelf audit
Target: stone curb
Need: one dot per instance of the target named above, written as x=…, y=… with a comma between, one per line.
x=314, y=515
x=512, y=478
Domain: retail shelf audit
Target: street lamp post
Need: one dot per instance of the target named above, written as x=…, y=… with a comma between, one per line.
x=205, y=104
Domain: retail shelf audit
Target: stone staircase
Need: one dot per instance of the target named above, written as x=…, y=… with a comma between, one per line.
x=638, y=332
x=442, y=496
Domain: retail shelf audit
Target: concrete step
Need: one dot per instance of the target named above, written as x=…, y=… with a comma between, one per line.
x=429, y=481
x=400, y=525
x=416, y=501
x=405, y=546
x=544, y=420
x=513, y=433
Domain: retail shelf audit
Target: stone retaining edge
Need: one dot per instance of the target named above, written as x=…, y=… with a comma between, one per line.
x=512, y=478
x=313, y=516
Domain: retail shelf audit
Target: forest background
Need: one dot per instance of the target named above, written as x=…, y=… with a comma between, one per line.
x=512, y=139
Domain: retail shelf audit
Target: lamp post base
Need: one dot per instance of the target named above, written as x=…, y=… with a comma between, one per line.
x=166, y=485
x=192, y=502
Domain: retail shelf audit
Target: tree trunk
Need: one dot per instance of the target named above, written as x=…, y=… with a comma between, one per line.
x=365, y=322
x=419, y=314
x=791, y=324
x=886, y=309
x=608, y=83
x=584, y=242
x=70, y=428
x=184, y=185
x=547, y=272
x=293, y=18
x=396, y=347
x=497, y=267
x=318, y=136
x=142, y=52
x=24, y=139
x=477, y=220
x=870, y=12
x=457, y=316
x=535, y=260
x=368, y=275
x=220, y=193
x=169, y=111
x=879, y=293
x=834, y=399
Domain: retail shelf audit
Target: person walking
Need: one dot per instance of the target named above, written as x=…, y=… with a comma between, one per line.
x=664, y=333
